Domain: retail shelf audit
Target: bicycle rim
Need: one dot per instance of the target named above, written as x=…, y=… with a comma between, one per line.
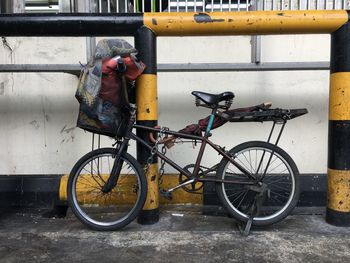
x=279, y=181
x=105, y=209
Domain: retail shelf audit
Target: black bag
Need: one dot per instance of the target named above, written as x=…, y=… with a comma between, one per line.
x=104, y=118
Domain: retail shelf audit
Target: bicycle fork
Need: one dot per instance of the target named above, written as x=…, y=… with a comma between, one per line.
x=117, y=167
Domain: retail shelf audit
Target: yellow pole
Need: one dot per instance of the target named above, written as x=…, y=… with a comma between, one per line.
x=147, y=114
x=245, y=23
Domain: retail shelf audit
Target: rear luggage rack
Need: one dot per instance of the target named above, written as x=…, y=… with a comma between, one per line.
x=267, y=115
x=261, y=115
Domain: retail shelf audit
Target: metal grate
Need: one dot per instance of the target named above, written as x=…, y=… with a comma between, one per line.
x=42, y=6
x=135, y=6
x=304, y=4
x=132, y=6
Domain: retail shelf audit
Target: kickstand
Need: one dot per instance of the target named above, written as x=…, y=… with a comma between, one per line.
x=245, y=230
x=254, y=210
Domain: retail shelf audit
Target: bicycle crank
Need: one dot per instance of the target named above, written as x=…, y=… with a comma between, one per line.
x=195, y=186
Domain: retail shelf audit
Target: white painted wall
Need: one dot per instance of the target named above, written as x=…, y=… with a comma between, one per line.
x=38, y=110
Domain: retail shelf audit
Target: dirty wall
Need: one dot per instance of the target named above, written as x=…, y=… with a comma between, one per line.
x=38, y=110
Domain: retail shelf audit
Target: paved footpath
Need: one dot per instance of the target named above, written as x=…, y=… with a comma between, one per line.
x=178, y=237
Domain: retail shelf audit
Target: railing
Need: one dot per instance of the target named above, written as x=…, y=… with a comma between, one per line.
x=116, y=6
x=127, y=6
x=133, y=6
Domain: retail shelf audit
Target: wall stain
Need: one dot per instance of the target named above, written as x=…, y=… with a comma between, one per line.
x=66, y=130
x=2, y=88
x=44, y=115
x=35, y=124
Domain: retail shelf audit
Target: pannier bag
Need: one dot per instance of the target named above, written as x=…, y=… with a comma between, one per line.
x=102, y=92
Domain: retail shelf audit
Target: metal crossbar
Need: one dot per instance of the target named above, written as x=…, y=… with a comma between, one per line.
x=134, y=6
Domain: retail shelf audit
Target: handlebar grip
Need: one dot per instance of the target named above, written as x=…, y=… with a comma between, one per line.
x=121, y=65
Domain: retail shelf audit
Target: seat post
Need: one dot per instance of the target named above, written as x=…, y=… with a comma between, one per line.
x=210, y=124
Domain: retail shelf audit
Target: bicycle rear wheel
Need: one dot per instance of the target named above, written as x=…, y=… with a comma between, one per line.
x=114, y=209
x=279, y=187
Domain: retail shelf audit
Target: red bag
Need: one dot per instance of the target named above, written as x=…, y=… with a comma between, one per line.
x=134, y=68
x=110, y=82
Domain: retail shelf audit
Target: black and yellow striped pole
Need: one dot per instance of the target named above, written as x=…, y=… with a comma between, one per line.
x=338, y=201
x=147, y=114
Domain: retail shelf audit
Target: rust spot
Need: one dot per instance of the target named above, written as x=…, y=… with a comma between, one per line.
x=341, y=202
x=148, y=110
x=205, y=18
x=154, y=21
x=230, y=20
x=153, y=178
x=280, y=14
x=151, y=201
x=249, y=24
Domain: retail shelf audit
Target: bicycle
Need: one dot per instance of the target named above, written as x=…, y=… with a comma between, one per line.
x=256, y=181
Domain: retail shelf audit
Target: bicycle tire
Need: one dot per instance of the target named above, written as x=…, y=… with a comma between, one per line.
x=106, y=211
x=271, y=211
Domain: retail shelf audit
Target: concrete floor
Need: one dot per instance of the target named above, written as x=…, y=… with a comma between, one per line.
x=180, y=236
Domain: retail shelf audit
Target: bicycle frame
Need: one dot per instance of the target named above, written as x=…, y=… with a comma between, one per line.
x=275, y=115
x=204, y=141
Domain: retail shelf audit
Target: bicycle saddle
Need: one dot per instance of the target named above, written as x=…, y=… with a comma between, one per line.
x=213, y=98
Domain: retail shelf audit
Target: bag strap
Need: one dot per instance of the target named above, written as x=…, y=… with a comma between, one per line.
x=125, y=95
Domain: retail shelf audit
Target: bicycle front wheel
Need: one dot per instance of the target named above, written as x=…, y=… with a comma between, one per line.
x=277, y=183
x=110, y=210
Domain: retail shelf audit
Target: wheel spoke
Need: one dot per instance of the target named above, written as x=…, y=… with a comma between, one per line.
x=286, y=196
x=260, y=159
x=244, y=165
x=242, y=198
x=278, y=180
x=109, y=210
x=251, y=168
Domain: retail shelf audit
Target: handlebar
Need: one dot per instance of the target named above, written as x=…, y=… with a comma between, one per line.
x=121, y=67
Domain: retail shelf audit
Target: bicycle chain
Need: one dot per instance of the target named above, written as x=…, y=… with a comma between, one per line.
x=161, y=169
x=153, y=152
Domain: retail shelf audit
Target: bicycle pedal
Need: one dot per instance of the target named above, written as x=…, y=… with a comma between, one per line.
x=166, y=194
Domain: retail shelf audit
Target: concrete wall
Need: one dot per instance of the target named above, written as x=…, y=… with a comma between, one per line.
x=38, y=110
